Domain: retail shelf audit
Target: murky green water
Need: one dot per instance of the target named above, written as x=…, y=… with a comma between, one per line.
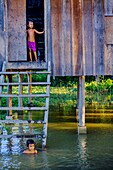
x=65, y=148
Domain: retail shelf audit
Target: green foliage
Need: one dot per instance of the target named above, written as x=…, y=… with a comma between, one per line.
x=99, y=86
x=63, y=81
x=63, y=91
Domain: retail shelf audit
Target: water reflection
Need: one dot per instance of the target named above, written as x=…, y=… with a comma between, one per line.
x=65, y=149
x=82, y=151
x=9, y=163
x=16, y=145
x=4, y=146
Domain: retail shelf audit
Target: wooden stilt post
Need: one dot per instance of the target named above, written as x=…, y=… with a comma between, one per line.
x=10, y=92
x=77, y=105
x=20, y=114
x=30, y=92
x=81, y=126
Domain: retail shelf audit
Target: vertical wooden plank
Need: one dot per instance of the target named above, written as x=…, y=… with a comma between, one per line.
x=108, y=53
x=87, y=37
x=68, y=42
x=109, y=30
x=83, y=39
x=55, y=30
x=62, y=38
x=99, y=37
x=6, y=28
x=2, y=34
x=76, y=37
x=17, y=30
x=108, y=7
x=94, y=55
x=46, y=28
x=49, y=33
x=66, y=39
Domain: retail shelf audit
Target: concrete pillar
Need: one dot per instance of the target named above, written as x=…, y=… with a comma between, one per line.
x=81, y=106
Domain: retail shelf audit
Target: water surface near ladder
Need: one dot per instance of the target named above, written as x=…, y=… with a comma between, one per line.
x=65, y=148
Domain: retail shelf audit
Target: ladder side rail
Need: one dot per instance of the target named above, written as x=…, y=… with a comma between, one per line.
x=2, y=80
x=44, y=139
x=23, y=108
x=2, y=76
x=25, y=84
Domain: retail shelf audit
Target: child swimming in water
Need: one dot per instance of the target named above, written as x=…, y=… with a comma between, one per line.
x=30, y=147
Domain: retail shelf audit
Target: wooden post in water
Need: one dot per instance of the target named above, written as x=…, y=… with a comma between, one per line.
x=77, y=105
x=81, y=126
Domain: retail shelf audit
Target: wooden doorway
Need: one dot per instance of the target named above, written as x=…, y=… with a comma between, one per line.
x=35, y=12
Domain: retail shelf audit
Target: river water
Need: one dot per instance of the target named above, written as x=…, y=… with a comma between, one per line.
x=66, y=150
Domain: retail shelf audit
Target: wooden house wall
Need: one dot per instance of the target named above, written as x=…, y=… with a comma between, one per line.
x=66, y=37
x=17, y=30
x=78, y=32
x=79, y=35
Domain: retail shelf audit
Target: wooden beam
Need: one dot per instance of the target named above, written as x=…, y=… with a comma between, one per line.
x=25, y=72
x=25, y=84
x=24, y=95
x=22, y=136
x=22, y=121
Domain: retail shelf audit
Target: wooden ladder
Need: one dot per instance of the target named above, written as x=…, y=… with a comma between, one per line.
x=10, y=75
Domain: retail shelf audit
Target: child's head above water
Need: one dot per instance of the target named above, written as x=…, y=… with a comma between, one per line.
x=30, y=141
x=31, y=146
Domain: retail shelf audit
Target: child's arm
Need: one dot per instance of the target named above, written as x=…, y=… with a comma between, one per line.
x=38, y=32
x=36, y=152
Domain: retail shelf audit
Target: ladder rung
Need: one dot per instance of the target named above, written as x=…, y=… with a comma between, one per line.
x=23, y=108
x=22, y=136
x=24, y=95
x=37, y=72
x=25, y=84
x=22, y=121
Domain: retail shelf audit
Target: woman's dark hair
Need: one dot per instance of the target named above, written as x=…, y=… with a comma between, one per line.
x=30, y=141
